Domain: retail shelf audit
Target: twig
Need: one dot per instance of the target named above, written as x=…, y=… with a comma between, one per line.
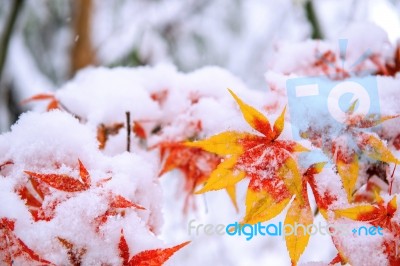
x=313, y=19
x=128, y=131
x=391, y=180
x=9, y=26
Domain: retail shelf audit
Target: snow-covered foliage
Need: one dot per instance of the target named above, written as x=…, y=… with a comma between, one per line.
x=81, y=184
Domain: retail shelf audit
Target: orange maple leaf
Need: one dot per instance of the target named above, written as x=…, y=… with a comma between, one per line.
x=274, y=174
x=380, y=215
x=138, y=129
x=105, y=131
x=195, y=164
x=154, y=257
x=53, y=104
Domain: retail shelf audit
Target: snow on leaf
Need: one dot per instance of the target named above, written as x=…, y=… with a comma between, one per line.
x=274, y=174
x=33, y=194
x=123, y=249
x=154, y=257
x=348, y=172
x=262, y=158
x=74, y=254
x=391, y=249
x=373, y=120
x=298, y=213
x=376, y=149
x=104, y=132
x=377, y=214
x=292, y=177
x=11, y=246
x=360, y=213
x=116, y=203
x=195, y=164
x=325, y=200
x=121, y=202
x=64, y=182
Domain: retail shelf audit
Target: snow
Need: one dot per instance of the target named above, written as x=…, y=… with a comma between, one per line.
x=40, y=142
x=174, y=106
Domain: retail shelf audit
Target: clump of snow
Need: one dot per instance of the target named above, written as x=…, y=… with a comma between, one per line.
x=52, y=143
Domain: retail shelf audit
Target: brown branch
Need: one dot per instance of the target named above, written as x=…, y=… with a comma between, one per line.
x=313, y=20
x=8, y=28
x=83, y=53
x=128, y=131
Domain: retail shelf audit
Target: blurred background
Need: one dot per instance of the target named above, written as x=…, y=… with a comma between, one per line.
x=45, y=42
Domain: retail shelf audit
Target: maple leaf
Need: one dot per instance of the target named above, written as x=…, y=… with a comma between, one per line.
x=138, y=129
x=53, y=104
x=11, y=246
x=33, y=194
x=324, y=200
x=64, y=182
x=274, y=174
x=154, y=257
x=379, y=214
x=346, y=156
x=367, y=192
x=391, y=67
x=104, y=132
x=116, y=202
x=195, y=164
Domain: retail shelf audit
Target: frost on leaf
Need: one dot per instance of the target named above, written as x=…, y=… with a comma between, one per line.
x=117, y=206
x=380, y=215
x=352, y=142
x=271, y=167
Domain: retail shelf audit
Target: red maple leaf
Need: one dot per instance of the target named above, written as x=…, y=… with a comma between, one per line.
x=64, y=182
x=117, y=204
x=12, y=247
x=154, y=257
